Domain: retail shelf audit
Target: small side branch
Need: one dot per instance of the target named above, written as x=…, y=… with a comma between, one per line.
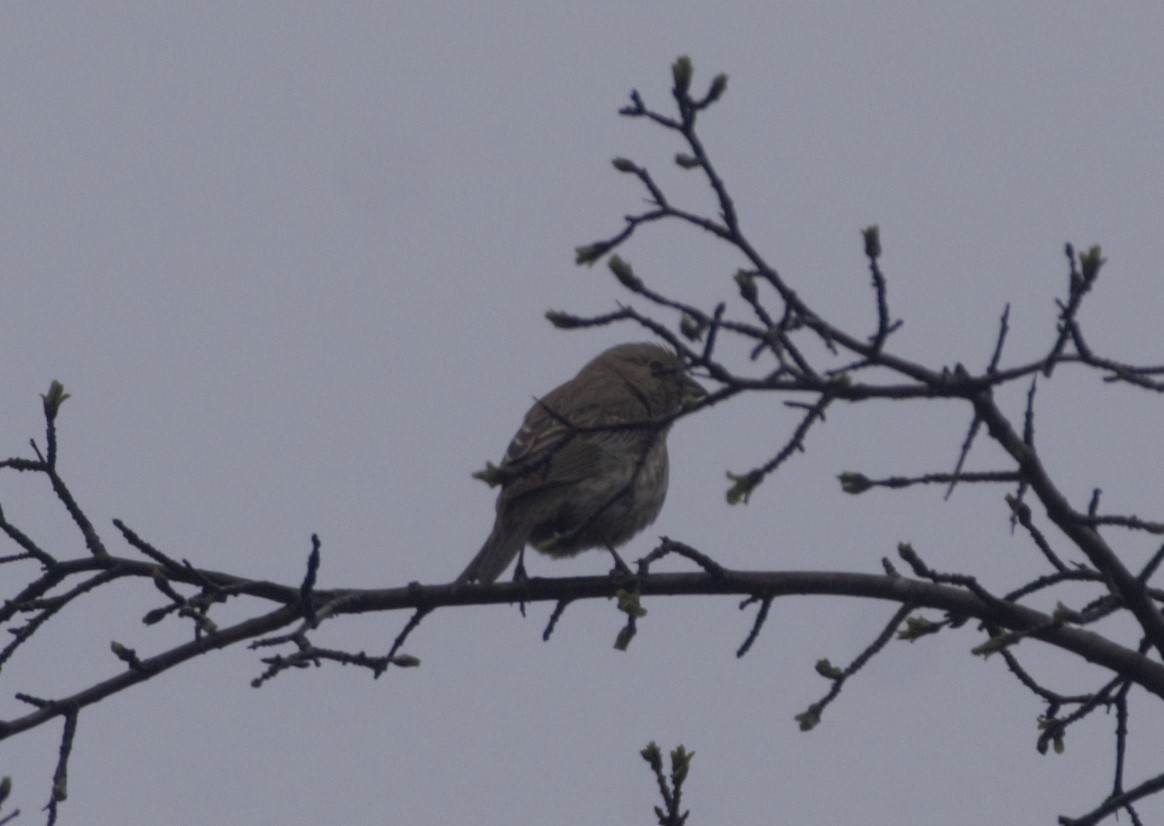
x=669, y=813
x=743, y=485
x=1116, y=803
x=757, y=624
x=809, y=718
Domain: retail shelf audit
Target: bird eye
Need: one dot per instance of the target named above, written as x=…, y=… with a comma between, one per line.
x=656, y=368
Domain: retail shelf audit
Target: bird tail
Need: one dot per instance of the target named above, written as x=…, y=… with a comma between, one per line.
x=495, y=555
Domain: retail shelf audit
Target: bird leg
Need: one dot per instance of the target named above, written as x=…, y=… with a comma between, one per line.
x=620, y=567
x=519, y=574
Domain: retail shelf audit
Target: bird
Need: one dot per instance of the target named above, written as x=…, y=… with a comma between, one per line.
x=588, y=467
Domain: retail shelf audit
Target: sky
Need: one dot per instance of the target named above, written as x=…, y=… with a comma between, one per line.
x=292, y=260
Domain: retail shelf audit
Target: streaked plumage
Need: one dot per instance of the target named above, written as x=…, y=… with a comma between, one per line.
x=567, y=484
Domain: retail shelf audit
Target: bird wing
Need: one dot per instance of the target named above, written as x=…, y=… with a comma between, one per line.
x=547, y=451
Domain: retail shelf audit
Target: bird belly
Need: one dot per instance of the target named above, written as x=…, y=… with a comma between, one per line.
x=608, y=510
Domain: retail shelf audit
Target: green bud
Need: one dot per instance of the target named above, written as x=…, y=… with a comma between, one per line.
x=53, y=399
x=590, y=253
x=1090, y=262
x=718, y=85
x=854, y=483
x=1020, y=509
x=680, y=765
x=992, y=646
x=490, y=475
x=628, y=603
x=916, y=628
x=808, y=720
x=691, y=328
x=827, y=669
x=681, y=71
x=126, y=655
x=872, y=241
x=747, y=285
x=742, y=487
x=623, y=272
x=563, y=321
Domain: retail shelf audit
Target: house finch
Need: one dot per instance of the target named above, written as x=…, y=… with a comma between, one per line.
x=588, y=469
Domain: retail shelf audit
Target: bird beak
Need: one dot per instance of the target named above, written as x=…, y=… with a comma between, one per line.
x=691, y=392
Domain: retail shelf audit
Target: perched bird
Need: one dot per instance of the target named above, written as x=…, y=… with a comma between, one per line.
x=588, y=468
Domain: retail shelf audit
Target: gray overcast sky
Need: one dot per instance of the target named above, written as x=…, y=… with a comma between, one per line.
x=291, y=261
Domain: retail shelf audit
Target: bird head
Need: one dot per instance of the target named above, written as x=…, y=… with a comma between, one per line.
x=656, y=375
